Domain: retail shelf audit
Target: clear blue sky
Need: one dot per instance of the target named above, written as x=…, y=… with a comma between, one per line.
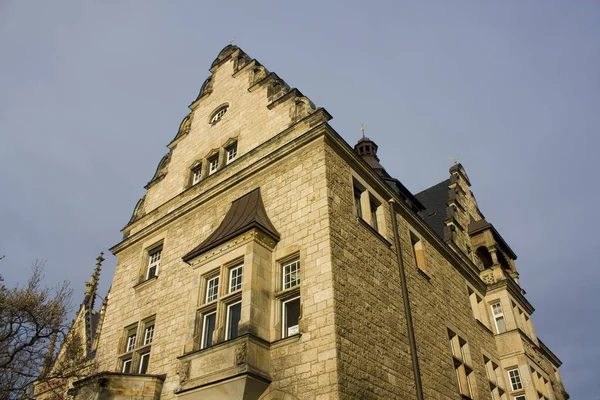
x=91, y=93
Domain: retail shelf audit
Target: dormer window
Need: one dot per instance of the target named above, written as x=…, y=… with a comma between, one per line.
x=218, y=115
x=213, y=164
x=231, y=152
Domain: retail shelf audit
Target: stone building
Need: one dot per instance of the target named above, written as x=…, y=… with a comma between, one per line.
x=271, y=260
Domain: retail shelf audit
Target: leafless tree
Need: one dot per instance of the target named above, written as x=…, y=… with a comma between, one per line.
x=33, y=323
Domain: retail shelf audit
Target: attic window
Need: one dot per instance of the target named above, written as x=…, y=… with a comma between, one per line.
x=218, y=115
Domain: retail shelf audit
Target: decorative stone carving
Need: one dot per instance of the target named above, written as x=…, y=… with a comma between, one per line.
x=276, y=89
x=240, y=354
x=489, y=278
x=207, y=87
x=138, y=211
x=161, y=170
x=303, y=107
x=240, y=61
x=258, y=74
x=183, y=370
x=186, y=124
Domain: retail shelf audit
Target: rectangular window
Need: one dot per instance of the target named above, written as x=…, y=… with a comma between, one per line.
x=515, y=379
x=357, y=206
x=208, y=328
x=212, y=289
x=148, y=334
x=234, y=313
x=231, y=152
x=291, y=274
x=126, y=367
x=196, y=174
x=290, y=317
x=213, y=164
x=235, y=278
x=492, y=371
x=130, y=342
x=418, y=253
x=498, y=317
x=373, y=205
x=460, y=355
x=521, y=397
x=153, y=262
x=144, y=361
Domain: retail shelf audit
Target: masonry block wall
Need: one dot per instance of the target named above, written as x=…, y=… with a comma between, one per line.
x=331, y=211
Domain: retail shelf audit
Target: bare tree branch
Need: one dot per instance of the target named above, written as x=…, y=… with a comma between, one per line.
x=31, y=318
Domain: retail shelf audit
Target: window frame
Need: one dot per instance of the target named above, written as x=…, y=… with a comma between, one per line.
x=196, y=174
x=292, y=262
x=213, y=164
x=374, y=205
x=130, y=344
x=145, y=354
x=231, y=149
x=126, y=362
x=154, y=264
x=208, y=296
x=517, y=378
x=218, y=114
x=461, y=361
x=204, y=333
x=232, y=288
x=357, y=193
x=498, y=316
x=148, y=329
x=227, y=319
x=284, y=327
x=414, y=241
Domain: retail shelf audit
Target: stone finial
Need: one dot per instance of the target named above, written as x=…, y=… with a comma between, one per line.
x=92, y=284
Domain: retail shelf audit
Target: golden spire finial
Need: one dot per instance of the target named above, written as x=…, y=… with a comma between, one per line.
x=454, y=160
x=231, y=41
x=362, y=129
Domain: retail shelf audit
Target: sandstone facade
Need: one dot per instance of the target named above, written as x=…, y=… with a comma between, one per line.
x=314, y=200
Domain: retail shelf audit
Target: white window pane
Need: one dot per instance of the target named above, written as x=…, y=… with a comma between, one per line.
x=231, y=153
x=236, y=278
x=291, y=274
x=149, y=335
x=130, y=342
x=515, y=379
x=212, y=289
x=213, y=165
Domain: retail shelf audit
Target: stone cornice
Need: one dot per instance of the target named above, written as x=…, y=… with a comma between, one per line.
x=254, y=235
x=515, y=290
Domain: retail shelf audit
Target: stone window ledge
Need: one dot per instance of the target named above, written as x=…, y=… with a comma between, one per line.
x=374, y=231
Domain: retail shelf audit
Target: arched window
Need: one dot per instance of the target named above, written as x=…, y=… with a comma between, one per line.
x=217, y=115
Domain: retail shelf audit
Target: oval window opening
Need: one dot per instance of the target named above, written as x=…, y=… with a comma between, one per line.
x=218, y=115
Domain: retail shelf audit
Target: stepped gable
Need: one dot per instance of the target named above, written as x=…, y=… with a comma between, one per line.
x=246, y=213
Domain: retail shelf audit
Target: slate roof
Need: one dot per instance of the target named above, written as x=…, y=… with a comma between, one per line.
x=246, y=213
x=434, y=199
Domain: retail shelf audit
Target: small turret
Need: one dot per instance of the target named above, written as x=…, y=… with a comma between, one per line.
x=367, y=150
